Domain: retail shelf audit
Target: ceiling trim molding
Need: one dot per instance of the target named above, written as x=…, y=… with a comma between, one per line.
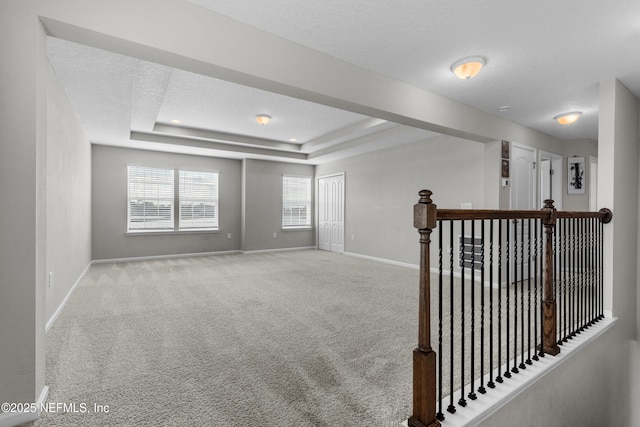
x=335, y=137
x=214, y=145
x=229, y=138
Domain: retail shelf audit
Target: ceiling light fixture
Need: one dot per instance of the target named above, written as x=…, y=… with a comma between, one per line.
x=568, y=118
x=468, y=68
x=263, y=119
x=176, y=121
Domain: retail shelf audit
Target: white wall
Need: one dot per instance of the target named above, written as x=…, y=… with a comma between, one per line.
x=68, y=196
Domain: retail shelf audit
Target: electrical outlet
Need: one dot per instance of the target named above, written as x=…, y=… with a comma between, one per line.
x=50, y=278
x=466, y=205
x=229, y=236
x=275, y=235
x=353, y=237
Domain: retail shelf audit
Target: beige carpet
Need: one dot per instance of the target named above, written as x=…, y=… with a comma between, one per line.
x=306, y=338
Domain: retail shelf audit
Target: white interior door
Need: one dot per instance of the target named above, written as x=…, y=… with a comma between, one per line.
x=523, y=197
x=324, y=232
x=523, y=182
x=331, y=213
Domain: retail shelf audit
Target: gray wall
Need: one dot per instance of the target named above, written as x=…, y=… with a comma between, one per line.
x=109, y=205
x=250, y=193
x=68, y=196
x=22, y=203
x=381, y=188
x=263, y=206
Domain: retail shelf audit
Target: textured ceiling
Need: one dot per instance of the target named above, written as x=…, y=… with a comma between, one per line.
x=543, y=58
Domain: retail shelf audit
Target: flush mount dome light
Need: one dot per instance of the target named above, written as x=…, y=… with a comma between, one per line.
x=263, y=119
x=468, y=68
x=568, y=118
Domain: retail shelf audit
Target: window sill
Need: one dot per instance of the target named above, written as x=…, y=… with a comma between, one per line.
x=171, y=232
x=297, y=229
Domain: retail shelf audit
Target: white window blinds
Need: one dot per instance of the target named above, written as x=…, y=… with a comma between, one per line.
x=296, y=201
x=150, y=197
x=198, y=194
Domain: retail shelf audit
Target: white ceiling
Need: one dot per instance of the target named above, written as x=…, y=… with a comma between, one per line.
x=543, y=58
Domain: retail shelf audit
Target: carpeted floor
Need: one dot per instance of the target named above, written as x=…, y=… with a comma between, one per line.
x=305, y=338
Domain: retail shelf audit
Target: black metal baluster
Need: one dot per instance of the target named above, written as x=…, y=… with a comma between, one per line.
x=558, y=283
x=536, y=297
x=481, y=389
x=564, y=276
x=584, y=275
x=451, y=408
x=572, y=284
x=540, y=295
x=440, y=414
x=515, y=297
x=593, y=234
x=507, y=373
x=555, y=274
x=591, y=271
x=529, y=292
x=580, y=276
x=601, y=276
x=499, y=377
x=491, y=384
x=522, y=352
x=462, y=401
x=472, y=394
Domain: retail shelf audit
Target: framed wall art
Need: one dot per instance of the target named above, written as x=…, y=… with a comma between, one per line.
x=505, y=149
x=505, y=168
x=576, y=179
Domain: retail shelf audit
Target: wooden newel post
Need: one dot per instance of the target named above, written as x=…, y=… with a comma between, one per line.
x=549, y=312
x=424, y=358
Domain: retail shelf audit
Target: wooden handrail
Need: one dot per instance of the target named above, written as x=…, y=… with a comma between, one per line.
x=604, y=214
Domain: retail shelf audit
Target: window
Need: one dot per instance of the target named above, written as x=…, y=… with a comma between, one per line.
x=156, y=203
x=198, y=193
x=150, y=197
x=296, y=201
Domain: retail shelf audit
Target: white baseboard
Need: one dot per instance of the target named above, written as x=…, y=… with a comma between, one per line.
x=55, y=315
x=9, y=419
x=384, y=260
x=262, y=251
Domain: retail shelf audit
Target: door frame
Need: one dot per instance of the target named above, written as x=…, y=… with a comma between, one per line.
x=557, y=182
x=317, y=199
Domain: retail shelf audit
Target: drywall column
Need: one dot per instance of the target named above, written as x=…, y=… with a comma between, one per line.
x=22, y=198
x=618, y=190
